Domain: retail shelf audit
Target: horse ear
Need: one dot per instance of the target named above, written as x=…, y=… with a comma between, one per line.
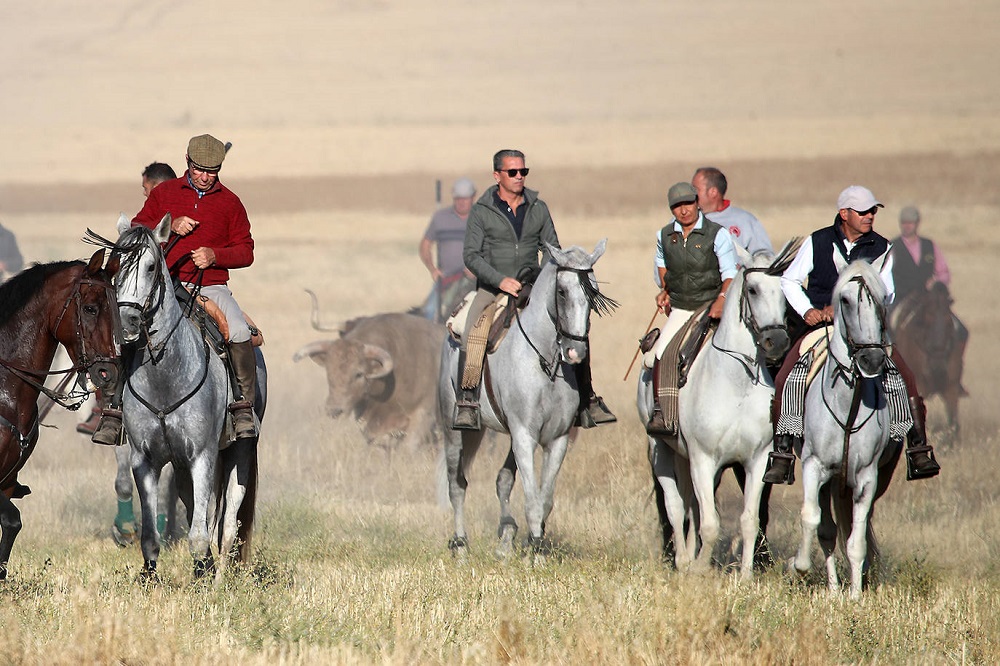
x=743, y=258
x=838, y=261
x=553, y=250
x=162, y=231
x=96, y=262
x=114, y=263
x=879, y=262
x=124, y=224
x=598, y=252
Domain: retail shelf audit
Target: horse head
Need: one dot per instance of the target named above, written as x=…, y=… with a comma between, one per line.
x=86, y=324
x=762, y=303
x=142, y=281
x=574, y=294
x=859, y=317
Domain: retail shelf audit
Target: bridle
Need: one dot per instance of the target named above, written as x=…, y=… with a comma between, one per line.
x=147, y=313
x=749, y=320
x=102, y=369
x=596, y=301
x=848, y=371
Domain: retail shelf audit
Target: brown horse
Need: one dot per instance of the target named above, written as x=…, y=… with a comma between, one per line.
x=67, y=302
x=932, y=341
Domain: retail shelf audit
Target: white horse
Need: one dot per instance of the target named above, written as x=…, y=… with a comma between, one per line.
x=175, y=410
x=724, y=411
x=530, y=392
x=846, y=438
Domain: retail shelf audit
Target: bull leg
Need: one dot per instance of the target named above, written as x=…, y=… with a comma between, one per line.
x=10, y=525
x=507, y=530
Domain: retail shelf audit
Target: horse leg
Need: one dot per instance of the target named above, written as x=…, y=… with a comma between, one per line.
x=460, y=450
x=123, y=529
x=553, y=455
x=10, y=525
x=810, y=515
x=666, y=478
x=750, y=518
x=168, y=526
x=231, y=492
x=146, y=480
x=857, y=543
x=203, y=471
x=703, y=471
x=761, y=549
x=827, y=534
x=523, y=447
x=507, y=531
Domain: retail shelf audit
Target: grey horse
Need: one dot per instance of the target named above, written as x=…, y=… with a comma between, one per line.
x=176, y=393
x=847, y=421
x=530, y=392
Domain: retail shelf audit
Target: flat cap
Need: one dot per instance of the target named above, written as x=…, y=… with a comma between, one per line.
x=206, y=152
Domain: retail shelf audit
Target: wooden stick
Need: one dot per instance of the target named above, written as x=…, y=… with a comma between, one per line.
x=636, y=355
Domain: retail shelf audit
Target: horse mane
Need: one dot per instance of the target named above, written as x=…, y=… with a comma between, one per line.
x=785, y=257
x=18, y=291
x=126, y=247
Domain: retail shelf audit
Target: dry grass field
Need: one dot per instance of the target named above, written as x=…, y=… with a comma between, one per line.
x=343, y=115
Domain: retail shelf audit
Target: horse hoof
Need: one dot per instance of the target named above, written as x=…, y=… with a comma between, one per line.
x=123, y=537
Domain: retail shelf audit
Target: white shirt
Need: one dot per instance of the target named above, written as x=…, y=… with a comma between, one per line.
x=795, y=276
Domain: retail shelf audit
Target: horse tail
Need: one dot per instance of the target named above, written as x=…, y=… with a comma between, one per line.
x=247, y=511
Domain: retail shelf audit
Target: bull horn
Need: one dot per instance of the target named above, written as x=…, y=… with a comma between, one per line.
x=315, y=314
x=311, y=349
x=379, y=356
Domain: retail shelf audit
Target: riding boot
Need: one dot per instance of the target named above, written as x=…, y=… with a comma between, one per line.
x=656, y=426
x=466, y=402
x=244, y=363
x=593, y=410
x=781, y=461
x=109, y=428
x=920, y=462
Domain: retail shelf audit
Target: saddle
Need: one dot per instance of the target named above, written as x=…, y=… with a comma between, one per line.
x=673, y=367
x=210, y=319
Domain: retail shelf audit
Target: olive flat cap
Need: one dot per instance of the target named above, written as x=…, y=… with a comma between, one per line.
x=681, y=193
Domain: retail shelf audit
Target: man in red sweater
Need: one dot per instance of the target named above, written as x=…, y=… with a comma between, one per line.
x=215, y=235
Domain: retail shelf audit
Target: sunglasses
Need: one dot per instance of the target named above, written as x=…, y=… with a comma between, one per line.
x=870, y=211
x=513, y=172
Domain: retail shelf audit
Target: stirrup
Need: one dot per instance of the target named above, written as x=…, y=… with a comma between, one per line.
x=109, y=429
x=657, y=427
x=921, y=469
x=466, y=416
x=780, y=468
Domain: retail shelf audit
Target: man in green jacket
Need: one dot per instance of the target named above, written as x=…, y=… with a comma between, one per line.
x=508, y=227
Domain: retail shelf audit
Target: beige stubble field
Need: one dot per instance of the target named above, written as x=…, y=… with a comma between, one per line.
x=337, y=146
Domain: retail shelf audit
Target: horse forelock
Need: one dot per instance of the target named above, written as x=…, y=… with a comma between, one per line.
x=129, y=249
x=864, y=272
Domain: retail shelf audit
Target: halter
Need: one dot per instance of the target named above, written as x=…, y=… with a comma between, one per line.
x=596, y=301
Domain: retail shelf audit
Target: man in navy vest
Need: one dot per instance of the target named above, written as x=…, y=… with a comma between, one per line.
x=808, y=285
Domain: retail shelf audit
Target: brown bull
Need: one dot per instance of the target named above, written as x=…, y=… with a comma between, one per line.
x=384, y=371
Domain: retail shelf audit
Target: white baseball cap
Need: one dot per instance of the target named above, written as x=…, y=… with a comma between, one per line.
x=858, y=198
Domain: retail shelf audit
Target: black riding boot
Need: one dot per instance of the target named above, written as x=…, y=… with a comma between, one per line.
x=920, y=462
x=244, y=363
x=466, y=402
x=593, y=410
x=781, y=461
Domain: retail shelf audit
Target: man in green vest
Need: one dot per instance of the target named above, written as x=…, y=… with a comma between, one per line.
x=695, y=262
